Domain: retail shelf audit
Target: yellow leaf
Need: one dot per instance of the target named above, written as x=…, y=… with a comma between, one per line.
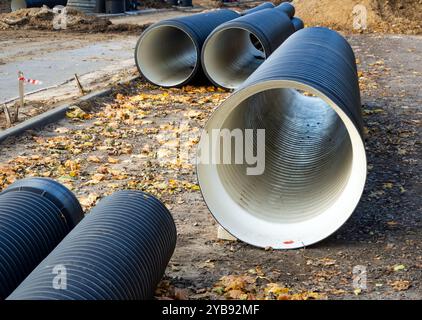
x=400, y=285
x=113, y=160
x=94, y=159
x=89, y=200
x=75, y=112
x=399, y=267
x=276, y=289
x=387, y=185
x=96, y=178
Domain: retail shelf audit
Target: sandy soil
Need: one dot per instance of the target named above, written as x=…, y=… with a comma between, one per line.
x=113, y=145
x=393, y=16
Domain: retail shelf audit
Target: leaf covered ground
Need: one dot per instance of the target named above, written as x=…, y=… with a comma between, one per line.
x=144, y=137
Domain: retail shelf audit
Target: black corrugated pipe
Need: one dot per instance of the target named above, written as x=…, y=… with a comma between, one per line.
x=297, y=23
x=287, y=7
x=35, y=215
x=262, y=6
x=236, y=48
x=168, y=53
x=21, y=4
x=118, y=252
x=310, y=172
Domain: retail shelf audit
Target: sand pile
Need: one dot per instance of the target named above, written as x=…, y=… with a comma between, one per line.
x=389, y=16
x=42, y=19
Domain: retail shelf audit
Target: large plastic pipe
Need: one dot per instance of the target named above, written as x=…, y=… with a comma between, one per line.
x=35, y=215
x=262, y=6
x=306, y=97
x=168, y=53
x=21, y=4
x=288, y=8
x=237, y=48
x=298, y=23
x=118, y=252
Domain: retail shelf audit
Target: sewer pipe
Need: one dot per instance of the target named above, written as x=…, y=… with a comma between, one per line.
x=234, y=50
x=118, y=252
x=168, y=53
x=35, y=215
x=312, y=167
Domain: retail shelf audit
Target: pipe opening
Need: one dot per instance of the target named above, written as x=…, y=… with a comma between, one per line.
x=308, y=156
x=315, y=167
x=232, y=55
x=17, y=4
x=167, y=56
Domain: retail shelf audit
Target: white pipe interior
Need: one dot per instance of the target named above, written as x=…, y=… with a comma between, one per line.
x=230, y=56
x=167, y=55
x=315, y=167
x=17, y=4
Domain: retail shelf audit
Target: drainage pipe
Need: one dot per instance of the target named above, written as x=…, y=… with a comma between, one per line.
x=118, y=252
x=297, y=23
x=236, y=48
x=262, y=6
x=168, y=53
x=22, y=4
x=306, y=97
x=288, y=8
x=35, y=215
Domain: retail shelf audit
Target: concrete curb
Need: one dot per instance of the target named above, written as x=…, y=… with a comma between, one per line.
x=53, y=115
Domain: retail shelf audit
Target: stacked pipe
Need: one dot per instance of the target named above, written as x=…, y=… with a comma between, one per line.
x=306, y=97
x=262, y=6
x=223, y=44
x=35, y=215
x=168, y=52
x=235, y=49
x=118, y=252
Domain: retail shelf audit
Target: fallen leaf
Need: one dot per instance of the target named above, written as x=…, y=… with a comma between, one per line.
x=94, y=159
x=399, y=267
x=89, y=200
x=400, y=285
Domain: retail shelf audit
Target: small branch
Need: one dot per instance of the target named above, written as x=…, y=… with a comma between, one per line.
x=78, y=83
x=7, y=115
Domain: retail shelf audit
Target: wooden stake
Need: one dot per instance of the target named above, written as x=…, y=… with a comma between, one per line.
x=7, y=115
x=21, y=97
x=81, y=89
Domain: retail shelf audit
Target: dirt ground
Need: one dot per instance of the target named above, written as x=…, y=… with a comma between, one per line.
x=100, y=60
x=393, y=16
x=117, y=141
x=27, y=45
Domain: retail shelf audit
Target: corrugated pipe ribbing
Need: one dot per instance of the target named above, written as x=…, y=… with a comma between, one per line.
x=306, y=98
x=168, y=53
x=236, y=48
x=118, y=252
x=262, y=6
x=288, y=8
x=35, y=215
x=297, y=23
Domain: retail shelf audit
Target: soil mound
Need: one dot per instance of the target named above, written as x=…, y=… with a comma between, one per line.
x=42, y=19
x=392, y=16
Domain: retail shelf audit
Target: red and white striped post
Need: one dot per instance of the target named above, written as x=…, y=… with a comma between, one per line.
x=22, y=80
x=21, y=94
